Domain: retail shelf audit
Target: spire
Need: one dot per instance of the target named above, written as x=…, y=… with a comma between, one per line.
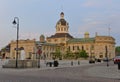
x=62, y=15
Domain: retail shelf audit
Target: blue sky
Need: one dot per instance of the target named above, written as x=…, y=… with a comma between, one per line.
x=40, y=16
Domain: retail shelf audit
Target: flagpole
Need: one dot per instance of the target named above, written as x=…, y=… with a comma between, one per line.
x=109, y=30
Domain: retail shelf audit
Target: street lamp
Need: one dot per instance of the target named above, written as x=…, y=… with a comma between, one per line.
x=107, y=55
x=16, y=22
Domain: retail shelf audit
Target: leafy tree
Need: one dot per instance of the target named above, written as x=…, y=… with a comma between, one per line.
x=117, y=50
x=77, y=55
x=57, y=54
x=83, y=54
x=68, y=55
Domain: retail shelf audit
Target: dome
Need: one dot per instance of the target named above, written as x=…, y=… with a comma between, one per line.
x=62, y=22
x=42, y=38
x=86, y=33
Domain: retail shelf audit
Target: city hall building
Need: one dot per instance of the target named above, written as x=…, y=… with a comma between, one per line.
x=97, y=46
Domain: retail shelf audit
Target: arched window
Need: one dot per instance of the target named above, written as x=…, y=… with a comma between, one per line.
x=64, y=29
x=58, y=29
x=61, y=29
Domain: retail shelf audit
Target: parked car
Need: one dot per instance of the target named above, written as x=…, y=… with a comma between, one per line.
x=92, y=60
x=98, y=60
x=116, y=59
x=106, y=59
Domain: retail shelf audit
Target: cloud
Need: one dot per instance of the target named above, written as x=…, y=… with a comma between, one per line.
x=89, y=4
x=33, y=35
x=30, y=35
x=97, y=3
x=100, y=23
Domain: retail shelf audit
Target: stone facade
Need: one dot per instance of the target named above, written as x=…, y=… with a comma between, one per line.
x=27, y=45
x=98, y=46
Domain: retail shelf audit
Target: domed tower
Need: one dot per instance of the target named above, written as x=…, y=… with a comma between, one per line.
x=86, y=35
x=62, y=25
x=62, y=34
x=42, y=38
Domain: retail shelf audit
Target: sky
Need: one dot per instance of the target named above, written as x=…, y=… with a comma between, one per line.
x=38, y=17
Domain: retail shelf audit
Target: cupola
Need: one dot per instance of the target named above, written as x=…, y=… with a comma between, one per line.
x=86, y=35
x=42, y=38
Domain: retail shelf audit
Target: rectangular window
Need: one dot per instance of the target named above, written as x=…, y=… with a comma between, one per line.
x=69, y=48
x=73, y=48
x=78, y=48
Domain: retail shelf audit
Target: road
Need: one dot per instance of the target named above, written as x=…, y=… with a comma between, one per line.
x=66, y=74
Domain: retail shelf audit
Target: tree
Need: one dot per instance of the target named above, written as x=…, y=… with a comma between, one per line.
x=81, y=54
x=68, y=55
x=57, y=54
x=77, y=54
x=117, y=50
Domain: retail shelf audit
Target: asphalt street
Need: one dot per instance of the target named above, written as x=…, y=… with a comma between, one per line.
x=65, y=74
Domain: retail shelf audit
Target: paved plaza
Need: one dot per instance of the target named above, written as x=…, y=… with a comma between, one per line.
x=83, y=72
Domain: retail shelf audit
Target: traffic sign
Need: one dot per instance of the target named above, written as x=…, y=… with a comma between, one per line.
x=39, y=51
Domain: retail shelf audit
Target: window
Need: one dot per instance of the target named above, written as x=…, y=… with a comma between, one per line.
x=30, y=55
x=101, y=56
x=64, y=29
x=82, y=47
x=78, y=48
x=49, y=40
x=92, y=47
x=61, y=29
x=69, y=48
x=63, y=39
x=55, y=40
x=58, y=29
x=73, y=48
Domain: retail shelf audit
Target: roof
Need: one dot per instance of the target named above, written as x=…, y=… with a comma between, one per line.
x=82, y=40
x=62, y=22
x=42, y=36
x=87, y=33
x=105, y=37
x=59, y=35
x=49, y=44
x=44, y=43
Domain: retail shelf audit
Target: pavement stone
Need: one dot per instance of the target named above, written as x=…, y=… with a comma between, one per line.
x=104, y=71
x=94, y=71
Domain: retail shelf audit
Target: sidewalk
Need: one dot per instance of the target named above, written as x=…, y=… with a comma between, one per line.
x=94, y=71
x=103, y=71
x=62, y=64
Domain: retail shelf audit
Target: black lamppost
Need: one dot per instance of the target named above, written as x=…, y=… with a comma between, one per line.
x=16, y=22
x=107, y=55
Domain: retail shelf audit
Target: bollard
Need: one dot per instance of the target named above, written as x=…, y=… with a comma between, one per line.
x=107, y=63
x=71, y=63
x=78, y=62
x=50, y=64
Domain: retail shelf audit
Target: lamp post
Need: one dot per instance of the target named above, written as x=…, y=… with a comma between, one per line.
x=107, y=55
x=16, y=22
